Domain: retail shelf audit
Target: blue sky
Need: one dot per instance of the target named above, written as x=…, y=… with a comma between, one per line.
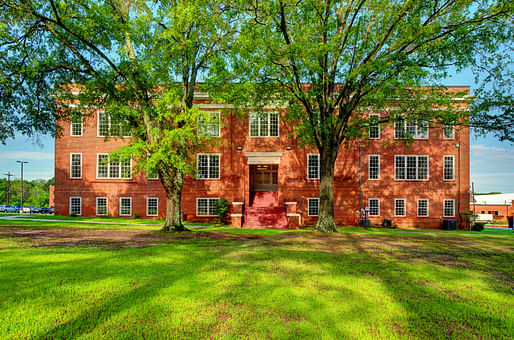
x=492, y=162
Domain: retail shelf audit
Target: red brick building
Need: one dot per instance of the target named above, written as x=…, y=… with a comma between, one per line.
x=265, y=171
x=500, y=206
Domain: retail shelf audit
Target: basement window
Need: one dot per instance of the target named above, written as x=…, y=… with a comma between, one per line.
x=313, y=206
x=206, y=206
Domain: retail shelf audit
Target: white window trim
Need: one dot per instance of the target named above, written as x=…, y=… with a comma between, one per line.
x=81, y=127
x=147, y=199
x=428, y=207
x=219, y=162
x=80, y=198
x=369, y=168
x=108, y=124
x=319, y=166
x=375, y=115
x=130, y=198
x=417, y=180
x=453, y=132
x=109, y=168
x=378, y=199
x=205, y=198
x=269, y=125
x=219, y=123
x=404, y=207
x=453, y=168
x=309, y=203
x=107, y=207
x=444, y=205
x=417, y=127
x=71, y=165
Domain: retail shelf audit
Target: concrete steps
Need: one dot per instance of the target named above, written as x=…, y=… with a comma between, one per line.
x=265, y=212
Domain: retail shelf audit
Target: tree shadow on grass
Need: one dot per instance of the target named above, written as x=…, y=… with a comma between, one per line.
x=291, y=286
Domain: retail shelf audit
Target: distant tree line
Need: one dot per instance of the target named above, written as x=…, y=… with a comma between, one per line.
x=35, y=193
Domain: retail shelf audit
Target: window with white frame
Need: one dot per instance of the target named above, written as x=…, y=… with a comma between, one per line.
x=125, y=206
x=76, y=125
x=76, y=165
x=313, y=206
x=208, y=166
x=448, y=132
x=206, y=206
x=209, y=124
x=110, y=126
x=76, y=205
x=374, y=127
x=152, y=206
x=101, y=206
x=423, y=207
x=399, y=207
x=411, y=167
x=313, y=170
x=410, y=129
x=448, y=170
x=374, y=167
x=264, y=124
x=374, y=206
x=112, y=169
x=449, y=208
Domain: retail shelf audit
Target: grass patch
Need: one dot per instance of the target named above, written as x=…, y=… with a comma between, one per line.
x=233, y=283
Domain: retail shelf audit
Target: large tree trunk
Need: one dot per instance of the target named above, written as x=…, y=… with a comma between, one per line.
x=173, y=189
x=326, y=222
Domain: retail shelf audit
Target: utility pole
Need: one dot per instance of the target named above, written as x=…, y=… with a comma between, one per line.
x=21, y=162
x=9, y=175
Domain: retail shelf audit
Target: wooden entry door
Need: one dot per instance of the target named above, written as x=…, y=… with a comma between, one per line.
x=264, y=177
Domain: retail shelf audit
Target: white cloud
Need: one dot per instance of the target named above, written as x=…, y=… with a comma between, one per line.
x=26, y=155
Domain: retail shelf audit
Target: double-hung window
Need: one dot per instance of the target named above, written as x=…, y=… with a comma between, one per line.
x=206, y=206
x=110, y=126
x=374, y=127
x=106, y=168
x=209, y=124
x=448, y=170
x=101, y=206
x=423, y=207
x=76, y=205
x=76, y=165
x=264, y=124
x=76, y=125
x=399, y=207
x=208, y=166
x=411, y=167
x=313, y=206
x=448, y=132
x=152, y=206
x=449, y=208
x=374, y=206
x=374, y=167
x=313, y=170
x=410, y=129
x=125, y=206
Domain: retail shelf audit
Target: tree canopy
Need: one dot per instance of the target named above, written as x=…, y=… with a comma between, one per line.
x=139, y=61
x=335, y=61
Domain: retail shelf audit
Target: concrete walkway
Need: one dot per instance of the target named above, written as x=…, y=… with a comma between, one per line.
x=28, y=218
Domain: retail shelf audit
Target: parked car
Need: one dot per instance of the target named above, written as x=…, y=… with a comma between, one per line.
x=51, y=210
x=27, y=209
x=36, y=210
x=44, y=210
x=12, y=209
x=2, y=207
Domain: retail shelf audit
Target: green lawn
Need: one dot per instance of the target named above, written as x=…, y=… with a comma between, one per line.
x=232, y=283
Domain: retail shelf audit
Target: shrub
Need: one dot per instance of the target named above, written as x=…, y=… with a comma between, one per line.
x=221, y=209
x=136, y=215
x=73, y=215
x=477, y=227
